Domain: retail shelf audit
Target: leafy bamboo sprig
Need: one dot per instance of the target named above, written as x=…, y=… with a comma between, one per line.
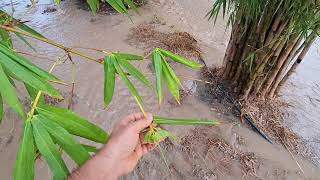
x=49, y=129
x=165, y=73
x=116, y=63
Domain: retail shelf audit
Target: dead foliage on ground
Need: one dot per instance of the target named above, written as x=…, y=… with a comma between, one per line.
x=267, y=115
x=178, y=42
x=212, y=144
x=214, y=91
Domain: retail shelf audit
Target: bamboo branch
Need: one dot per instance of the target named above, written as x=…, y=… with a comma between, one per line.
x=36, y=101
x=48, y=41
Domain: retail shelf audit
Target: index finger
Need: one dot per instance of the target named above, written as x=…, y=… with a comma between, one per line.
x=131, y=118
x=142, y=123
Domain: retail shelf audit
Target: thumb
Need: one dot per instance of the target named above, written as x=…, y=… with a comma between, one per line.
x=142, y=123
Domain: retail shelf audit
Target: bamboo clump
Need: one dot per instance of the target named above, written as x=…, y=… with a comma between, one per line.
x=269, y=39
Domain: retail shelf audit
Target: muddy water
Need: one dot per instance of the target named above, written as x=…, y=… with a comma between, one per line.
x=303, y=95
x=73, y=27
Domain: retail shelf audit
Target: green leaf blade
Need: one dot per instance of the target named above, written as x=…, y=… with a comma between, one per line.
x=90, y=149
x=181, y=59
x=24, y=167
x=5, y=37
x=117, y=6
x=128, y=56
x=173, y=87
x=157, y=62
x=28, y=77
x=171, y=72
x=66, y=141
x=74, y=124
x=134, y=72
x=28, y=64
x=10, y=95
x=94, y=5
x=156, y=135
x=128, y=83
x=48, y=150
x=171, y=121
x=109, y=81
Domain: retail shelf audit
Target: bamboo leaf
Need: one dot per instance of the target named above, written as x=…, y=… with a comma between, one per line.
x=171, y=121
x=128, y=83
x=48, y=150
x=157, y=61
x=120, y=3
x=128, y=56
x=9, y=94
x=117, y=6
x=28, y=77
x=73, y=123
x=5, y=37
x=9, y=76
x=90, y=149
x=94, y=5
x=134, y=72
x=57, y=1
x=156, y=135
x=109, y=81
x=181, y=59
x=171, y=83
x=66, y=141
x=24, y=167
x=28, y=64
x=170, y=70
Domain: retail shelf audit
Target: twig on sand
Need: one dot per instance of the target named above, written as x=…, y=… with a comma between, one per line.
x=73, y=81
x=293, y=157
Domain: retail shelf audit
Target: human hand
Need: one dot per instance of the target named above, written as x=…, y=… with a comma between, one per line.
x=122, y=152
x=125, y=146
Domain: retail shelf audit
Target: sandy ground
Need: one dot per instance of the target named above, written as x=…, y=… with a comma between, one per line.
x=231, y=151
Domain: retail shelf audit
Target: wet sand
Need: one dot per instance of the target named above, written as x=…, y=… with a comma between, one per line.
x=186, y=157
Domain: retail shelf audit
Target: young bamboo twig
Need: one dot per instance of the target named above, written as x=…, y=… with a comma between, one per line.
x=36, y=101
x=72, y=81
x=48, y=41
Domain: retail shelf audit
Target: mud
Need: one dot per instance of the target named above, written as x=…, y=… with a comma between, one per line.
x=190, y=156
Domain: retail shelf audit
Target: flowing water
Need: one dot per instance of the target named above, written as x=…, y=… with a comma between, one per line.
x=74, y=27
x=303, y=95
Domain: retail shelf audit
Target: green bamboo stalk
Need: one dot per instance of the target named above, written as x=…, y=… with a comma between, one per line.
x=170, y=121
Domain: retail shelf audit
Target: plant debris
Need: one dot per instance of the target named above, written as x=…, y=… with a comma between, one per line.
x=201, y=136
x=49, y=10
x=181, y=43
x=267, y=116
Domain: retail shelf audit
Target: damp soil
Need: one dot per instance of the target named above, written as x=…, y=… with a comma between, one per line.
x=230, y=151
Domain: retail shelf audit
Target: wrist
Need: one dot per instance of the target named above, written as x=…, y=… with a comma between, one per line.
x=110, y=162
